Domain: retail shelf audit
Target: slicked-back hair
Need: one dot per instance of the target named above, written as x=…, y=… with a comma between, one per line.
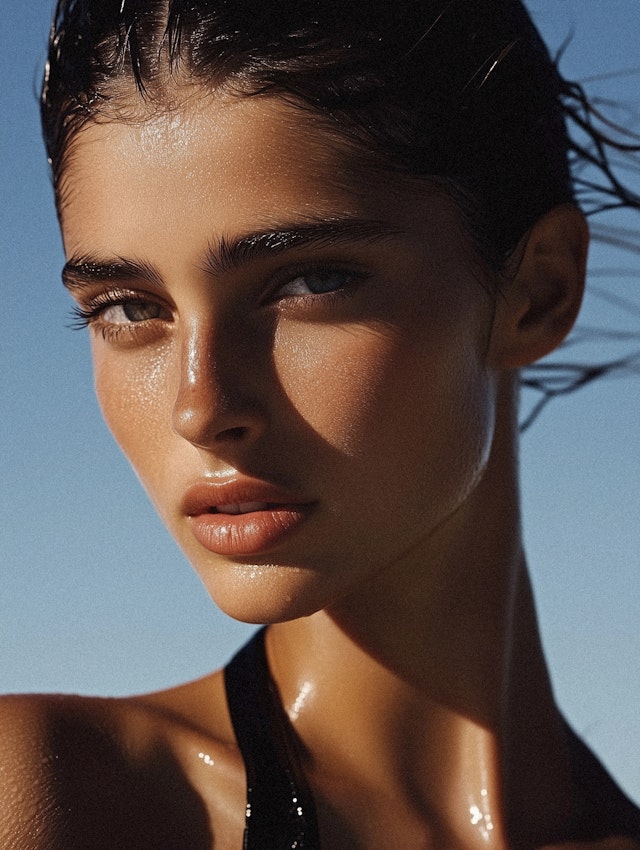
x=458, y=89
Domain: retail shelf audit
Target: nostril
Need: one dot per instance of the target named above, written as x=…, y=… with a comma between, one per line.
x=232, y=434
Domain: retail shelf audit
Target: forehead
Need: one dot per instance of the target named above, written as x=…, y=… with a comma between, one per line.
x=214, y=153
x=166, y=185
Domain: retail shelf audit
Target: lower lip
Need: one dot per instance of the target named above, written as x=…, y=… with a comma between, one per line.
x=254, y=533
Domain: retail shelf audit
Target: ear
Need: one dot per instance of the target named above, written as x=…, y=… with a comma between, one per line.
x=540, y=299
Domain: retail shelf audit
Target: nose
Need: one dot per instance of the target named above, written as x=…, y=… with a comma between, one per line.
x=216, y=402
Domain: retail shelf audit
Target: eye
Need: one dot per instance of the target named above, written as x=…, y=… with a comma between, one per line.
x=122, y=316
x=132, y=311
x=317, y=282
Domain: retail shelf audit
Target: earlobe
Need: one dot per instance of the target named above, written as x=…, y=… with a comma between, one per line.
x=540, y=299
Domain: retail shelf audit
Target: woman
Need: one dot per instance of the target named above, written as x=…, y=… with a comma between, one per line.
x=314, y=249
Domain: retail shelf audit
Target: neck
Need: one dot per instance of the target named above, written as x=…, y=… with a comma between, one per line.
x=432, y=682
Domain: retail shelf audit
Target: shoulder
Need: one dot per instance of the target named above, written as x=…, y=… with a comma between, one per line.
x=45, y=741
x=82, y=772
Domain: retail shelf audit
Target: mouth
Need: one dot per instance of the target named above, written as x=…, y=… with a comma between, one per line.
x=248, y=528
x=244, y=517
x=239, y=496
x=242, y=508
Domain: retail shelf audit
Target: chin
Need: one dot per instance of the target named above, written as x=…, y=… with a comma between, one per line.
x=264, y=593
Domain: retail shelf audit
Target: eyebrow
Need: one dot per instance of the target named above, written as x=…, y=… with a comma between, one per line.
x=227, y=255
x=80, y=272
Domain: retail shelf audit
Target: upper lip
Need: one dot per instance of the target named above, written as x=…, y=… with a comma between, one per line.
x=204, y=496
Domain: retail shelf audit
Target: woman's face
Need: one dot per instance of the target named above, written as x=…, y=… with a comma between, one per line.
x=290, y=352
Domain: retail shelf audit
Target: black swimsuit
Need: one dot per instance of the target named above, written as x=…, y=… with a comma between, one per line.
x=280, y=810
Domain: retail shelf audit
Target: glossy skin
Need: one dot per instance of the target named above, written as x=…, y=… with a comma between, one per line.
x=355, y=400
x=374, y=418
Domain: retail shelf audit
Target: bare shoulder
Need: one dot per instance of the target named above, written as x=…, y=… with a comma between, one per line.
x=79, y=772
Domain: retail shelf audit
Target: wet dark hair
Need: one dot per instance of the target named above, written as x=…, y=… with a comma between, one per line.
x=464, y=91
x=428, y=87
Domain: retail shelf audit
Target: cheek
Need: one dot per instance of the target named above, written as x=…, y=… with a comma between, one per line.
x=374, y=391
x=332, y=376
x=409, y=418
x=132, y=391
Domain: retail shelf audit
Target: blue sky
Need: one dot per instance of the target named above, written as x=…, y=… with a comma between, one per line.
x=94, y=595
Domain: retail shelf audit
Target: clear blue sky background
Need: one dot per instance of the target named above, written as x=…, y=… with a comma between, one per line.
x=94, y=595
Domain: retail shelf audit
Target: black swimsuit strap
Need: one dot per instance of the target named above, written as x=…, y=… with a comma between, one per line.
x=280, y=810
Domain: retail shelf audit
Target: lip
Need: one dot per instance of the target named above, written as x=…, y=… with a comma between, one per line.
x=262, y=516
